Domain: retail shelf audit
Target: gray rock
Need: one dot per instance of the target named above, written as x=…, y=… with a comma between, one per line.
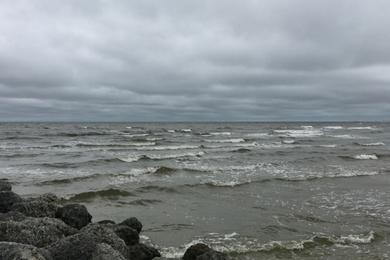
x=75, y=215
x=134, y=223
x=5, y=185
x=82, y=245
x=129, y=235
x=12, y=215
x=212, y=255
x=106, y=252
x=142, y=252
x=35, y=231
x=7, y=199
x=106, y=222
x=196, y=250
x=16, y=251
x=36, y=208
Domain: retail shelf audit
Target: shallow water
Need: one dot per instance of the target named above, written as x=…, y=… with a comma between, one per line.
x=253, y=190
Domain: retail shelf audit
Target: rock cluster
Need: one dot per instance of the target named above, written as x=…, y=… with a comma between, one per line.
x=41, y=229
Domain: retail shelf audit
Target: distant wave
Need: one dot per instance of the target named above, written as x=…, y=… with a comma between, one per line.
x=336, y=127
x=161, y=157
x=220, y=133
x=79, y=164
x=235, y=244
x=302, y=133
x=362, y=128
x=77, y=134
x=371, y=144
x=153, y=188
x=106, y=194
x=360, y=157
x=235, y=140
x=168, y=147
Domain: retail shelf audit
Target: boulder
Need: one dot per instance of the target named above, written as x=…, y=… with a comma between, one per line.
x=16, y=251
x=36, y=208
x=75, y=215
x=7, y=199
x=134, y=223
x=35, y=231
x=83, y=245
x=106, y=252
x=5, y=185
x=196, y=250
x=129, y=235
x=12, y=215
x=212, y=255
x=142, y=252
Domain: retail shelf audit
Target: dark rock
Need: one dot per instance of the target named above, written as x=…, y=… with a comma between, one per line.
x=36, y=208
x=82, y=245
x=12, y=215
x=142, y=252
x=75, y=247
x=129, y=235
x=35, y=231
x=75, y=215
x=15, y=251
x=134, y=223
x=5, y=185
x=7, y=199
x=196, y=250
x=106, y=222
x=106, y=252
x=212, y=255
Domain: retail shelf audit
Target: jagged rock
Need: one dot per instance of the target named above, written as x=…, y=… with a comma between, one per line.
x=134, y=223
x=142, y=252
x=129, y=235
x=12, y=215
x=7, y=199
x=35, y=231
x=212, y=255
x=5, y=185
x=196, y=250
x=16, y=251
x=36, y=208
x=82, y=245
x=75, y=215
x=106, y=252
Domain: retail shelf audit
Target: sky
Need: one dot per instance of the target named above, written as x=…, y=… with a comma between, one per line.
x=195, y=60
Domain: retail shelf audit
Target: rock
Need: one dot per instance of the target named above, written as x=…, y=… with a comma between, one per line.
x=142, y=252
x=75, y=215
x=35, y=231
x=106, y=252
x=196, y=250
x=7, y=199
x=5, y=185
x=129, y=235
x=12, y=215
x=106, y=222
x=134, y=223
x=212, y=255
x=75, y=247
x=36, y=208
x=82, y=245
x=15, y=251
x=102, y=234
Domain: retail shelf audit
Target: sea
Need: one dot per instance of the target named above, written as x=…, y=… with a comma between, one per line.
x=252, y=190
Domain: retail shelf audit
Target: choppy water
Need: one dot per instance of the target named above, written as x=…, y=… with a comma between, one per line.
x=253, y=190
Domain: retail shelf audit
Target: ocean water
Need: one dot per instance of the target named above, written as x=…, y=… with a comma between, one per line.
x=252, y=190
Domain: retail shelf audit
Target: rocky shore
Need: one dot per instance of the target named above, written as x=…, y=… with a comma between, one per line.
x=44, y=228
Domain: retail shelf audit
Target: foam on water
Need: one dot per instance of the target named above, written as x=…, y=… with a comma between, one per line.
x=366, y=157
x=220, y=133
x=235, y=140
x=336, y=127
x=302, y=133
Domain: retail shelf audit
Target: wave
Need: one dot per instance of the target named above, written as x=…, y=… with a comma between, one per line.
x=346, y=136
x=79, y=164
x=142, y=202
x=335, y=127
x=235, y=140
x=153, y=188
x=220, y=133
x=77, y=134
x=168, y=147
x=161, y=157
x=258, y=135
x=302, y=133
x=235, y=244
x=371, y=144
x=362, y=128
x=111, y=194
x=115, y=144
x=68, y=180
x=360, y=157
x=135, y=135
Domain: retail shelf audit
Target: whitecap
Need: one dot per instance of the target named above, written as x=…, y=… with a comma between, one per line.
x=299, y=133
x=168, y=147
x=288, y=141
x=366, y=157
x=235, y=140
x=258, y=135
x=373, y=144
x=362, y=128
x=335, y=127
x=220, y=133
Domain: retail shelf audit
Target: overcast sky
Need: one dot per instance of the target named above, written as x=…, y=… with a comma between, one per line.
x=195, y=60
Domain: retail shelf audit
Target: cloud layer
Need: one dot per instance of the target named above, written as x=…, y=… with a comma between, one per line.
x=204, y=60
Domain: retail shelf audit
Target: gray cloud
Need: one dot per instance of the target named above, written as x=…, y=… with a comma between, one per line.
x=194, y=60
